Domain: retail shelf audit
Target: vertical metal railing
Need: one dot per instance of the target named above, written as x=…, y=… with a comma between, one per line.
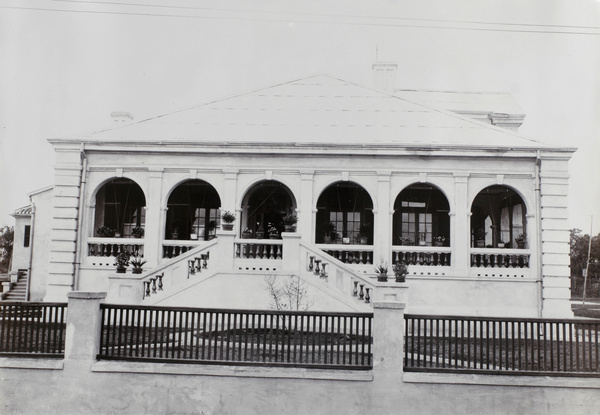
x=242, y=337
x=498, y=345
x=32, y=329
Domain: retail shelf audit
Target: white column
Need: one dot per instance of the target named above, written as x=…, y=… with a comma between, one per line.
x=153, y=227
x=229, y=201
x=306, y=216
x=382, y=217
x=460, y=226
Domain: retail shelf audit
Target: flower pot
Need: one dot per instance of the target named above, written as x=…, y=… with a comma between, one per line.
x=175, y=235
x=438, y=243
x=382, y=277
x=480, y=243
x=193, y=236
x=400, y=278
x=327, y=239
x=121, y=270
x=290, y=228
x=521, y=244
x=246, y=235
x=137, y=270
x=363, y=240
x=227, y=226
x=273, y=236
x=260, y=235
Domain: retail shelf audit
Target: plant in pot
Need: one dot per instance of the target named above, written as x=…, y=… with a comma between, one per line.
x=247, y=233
x=137, y=232
x=290, y=221
x=400, y=271
x=105, y=232
x=212, y=225
x=228, y=219
x=364, y=232
x=382, y=270
x=121, y=262
x=406, y=241
x=330, y=234
x=439, y=240
x=479, y=238
x=260, y=231
x=175, y=230
x=273, y=232
x=137, y=265
x=521, y=240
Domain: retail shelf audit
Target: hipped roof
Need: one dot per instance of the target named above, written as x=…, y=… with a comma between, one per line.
x=318, y=110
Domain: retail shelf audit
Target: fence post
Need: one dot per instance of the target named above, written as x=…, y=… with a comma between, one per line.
x=225, y=249
x=388, y=336
x=291, y=252
x=83, y=325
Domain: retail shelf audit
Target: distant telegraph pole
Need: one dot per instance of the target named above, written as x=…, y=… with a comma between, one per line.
x=587, y=266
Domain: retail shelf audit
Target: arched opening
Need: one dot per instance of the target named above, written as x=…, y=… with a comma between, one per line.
x=498, y=218
x=344, y=215
x=193, y=211
x=264, y=207
x=120, y=209
x=421, y=217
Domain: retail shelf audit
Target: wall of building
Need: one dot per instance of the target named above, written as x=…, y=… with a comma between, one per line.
x=42, y=234
x=21, y=254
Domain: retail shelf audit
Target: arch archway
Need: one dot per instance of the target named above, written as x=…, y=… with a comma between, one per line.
x=264, y=205
x=120, y=209
x=498, y=218
x=344, y=215
x=421, y=217
x=193, y=211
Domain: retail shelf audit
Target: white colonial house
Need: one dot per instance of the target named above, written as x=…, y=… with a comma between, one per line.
x=439, y=180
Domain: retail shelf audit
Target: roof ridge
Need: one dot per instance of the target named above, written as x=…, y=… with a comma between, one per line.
x=195, y=106
x=453, y=115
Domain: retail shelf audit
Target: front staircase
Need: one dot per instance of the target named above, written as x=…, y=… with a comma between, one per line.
x=18, y=290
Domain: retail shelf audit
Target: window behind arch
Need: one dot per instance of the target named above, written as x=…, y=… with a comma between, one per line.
x=421, y=217
x=120, y=207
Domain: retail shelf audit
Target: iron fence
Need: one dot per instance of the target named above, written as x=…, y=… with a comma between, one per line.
x=32, y=329
x=502, y=345
x=239, y=337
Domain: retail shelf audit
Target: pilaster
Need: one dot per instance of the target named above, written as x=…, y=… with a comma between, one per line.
x=460, y=226
x=383, y=226
x=65, y=207
x=306, y=216
x=155, y=218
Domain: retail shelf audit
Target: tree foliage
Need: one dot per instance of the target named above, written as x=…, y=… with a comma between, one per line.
x=579, y=244
x=7, y=236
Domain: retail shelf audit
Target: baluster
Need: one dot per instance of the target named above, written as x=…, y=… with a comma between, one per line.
x=361, y=295
x=153, y=285
x=311, y=263
x=204, y=260
x=159, y=277
x=198, y=264
x=525, y=261
x=147, y=284
x=355, y=291
x=279, y=251
x=367, y=297
x=323, y=270
x=191, y=268
x=317, y=268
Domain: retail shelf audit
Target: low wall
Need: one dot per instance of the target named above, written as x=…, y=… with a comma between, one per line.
x=81, y=385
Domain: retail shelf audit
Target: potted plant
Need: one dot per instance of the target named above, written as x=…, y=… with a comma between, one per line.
x=480, y=238
x=175, y=230
x=228, y=219
x=439, y=240
x=290, y=221
x=521, y=240
x=381, y=270
x=260, y=232
x=422, y=239
x=137, y=232
x=400, y=271
x=406, y=241
x=212, y=225
x=193, y=235
x=121, y=262
x=364, y=232
x=273, y=232
x=246, y=233
x=501, y=244
x=330, y=234
x=105, y=232
x=137, y=265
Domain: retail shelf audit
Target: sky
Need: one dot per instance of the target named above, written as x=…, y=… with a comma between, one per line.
x=65, y=65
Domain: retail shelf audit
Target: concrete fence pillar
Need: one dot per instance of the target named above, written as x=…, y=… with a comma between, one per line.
x=226, y=250
x=291, y=252
x=83, y=325
x=388, y=336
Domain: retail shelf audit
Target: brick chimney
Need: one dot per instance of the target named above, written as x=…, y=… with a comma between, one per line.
x=384, y=76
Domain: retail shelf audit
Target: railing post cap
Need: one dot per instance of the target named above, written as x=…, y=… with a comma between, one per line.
x=86, y=295
x=393, y=305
